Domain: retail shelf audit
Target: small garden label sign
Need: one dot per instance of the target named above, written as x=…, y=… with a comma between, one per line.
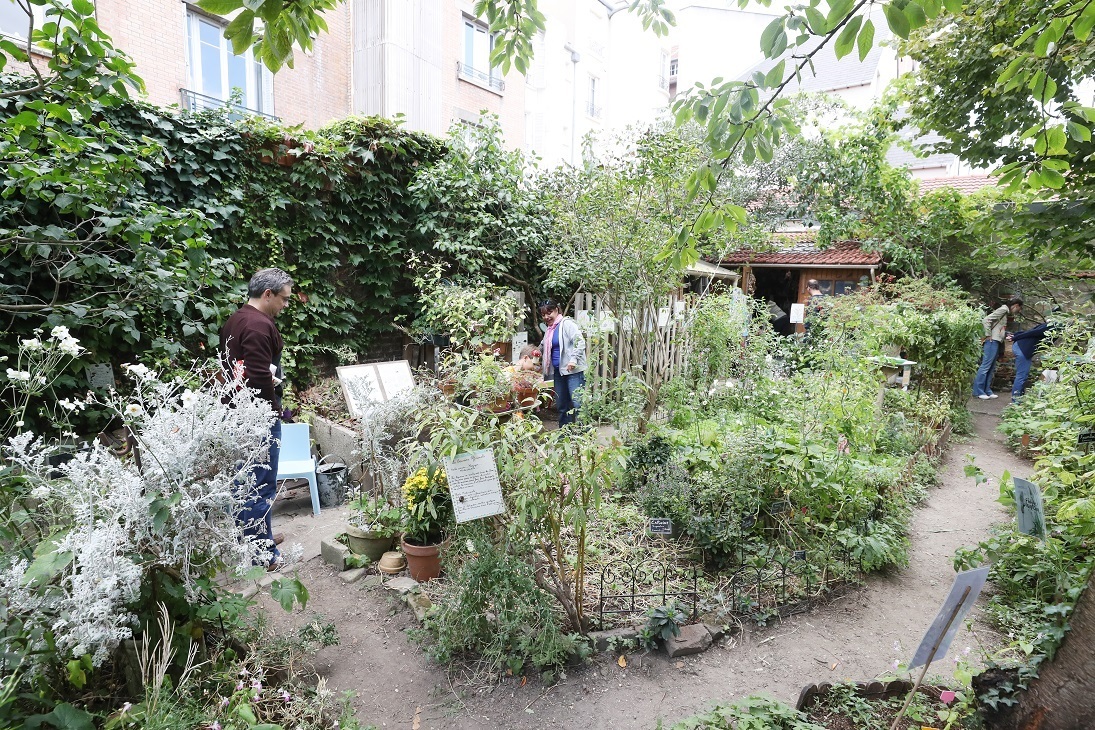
x=661, y=526
x=100, y=376
x=798, y=313
x=967, y=586
x=1086, y=440
x=473, y=483
x=1028, y=508
x=517, y=343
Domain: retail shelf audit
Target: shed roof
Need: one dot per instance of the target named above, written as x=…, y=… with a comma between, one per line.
x=964, y=184
x=804, y=252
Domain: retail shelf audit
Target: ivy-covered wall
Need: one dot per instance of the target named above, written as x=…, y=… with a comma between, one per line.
x=332, y=208
x=141, y=238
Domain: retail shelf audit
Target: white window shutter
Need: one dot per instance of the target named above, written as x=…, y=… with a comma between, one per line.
x=267, y=91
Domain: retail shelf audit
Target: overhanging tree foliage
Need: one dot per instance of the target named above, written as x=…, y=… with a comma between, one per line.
x=752, y=116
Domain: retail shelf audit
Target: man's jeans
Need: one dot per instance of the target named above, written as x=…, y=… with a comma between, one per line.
x=982, y=383
x=568, y=396
x=1022, y=370
x=255, y=515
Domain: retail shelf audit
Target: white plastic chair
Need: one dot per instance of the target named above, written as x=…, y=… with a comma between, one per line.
x=296, y=460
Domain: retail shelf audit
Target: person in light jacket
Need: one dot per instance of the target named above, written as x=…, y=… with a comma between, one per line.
x=995, y=327
x=564, y=360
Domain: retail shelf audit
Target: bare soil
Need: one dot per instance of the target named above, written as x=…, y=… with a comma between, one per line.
x=851, y=637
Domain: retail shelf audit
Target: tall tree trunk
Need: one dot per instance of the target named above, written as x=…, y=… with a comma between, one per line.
x=1063, y=695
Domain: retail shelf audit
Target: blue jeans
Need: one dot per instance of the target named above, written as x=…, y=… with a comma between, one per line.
x=567, y=395
x=982, y=383
x=255, y=515
x=1022, y=370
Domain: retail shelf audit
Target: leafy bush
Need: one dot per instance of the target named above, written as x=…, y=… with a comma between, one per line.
x=662, y=624
x=938, y=328
x=493, y=611
x=751, y=713
x=101, y=549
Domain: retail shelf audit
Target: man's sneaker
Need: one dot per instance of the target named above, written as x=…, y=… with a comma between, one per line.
x=984, y=397
x=993, y=395
x=275, y=565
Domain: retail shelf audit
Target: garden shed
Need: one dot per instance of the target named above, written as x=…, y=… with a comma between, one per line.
x=780, y=275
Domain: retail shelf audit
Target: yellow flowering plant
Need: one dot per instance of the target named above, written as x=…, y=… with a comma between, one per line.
x=428, y=506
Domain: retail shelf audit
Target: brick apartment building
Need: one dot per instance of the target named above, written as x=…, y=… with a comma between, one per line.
x=426, y=60
x=184, y=59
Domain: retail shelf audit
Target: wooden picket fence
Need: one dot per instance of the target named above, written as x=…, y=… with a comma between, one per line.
x=650, y=342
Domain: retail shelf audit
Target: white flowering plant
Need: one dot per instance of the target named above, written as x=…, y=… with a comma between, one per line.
x=39, y=363
x=96, y=541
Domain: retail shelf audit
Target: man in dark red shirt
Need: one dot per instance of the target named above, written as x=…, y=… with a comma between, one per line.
x=250, y=349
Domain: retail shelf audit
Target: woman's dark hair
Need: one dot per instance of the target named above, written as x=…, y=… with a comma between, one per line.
x=548, y=305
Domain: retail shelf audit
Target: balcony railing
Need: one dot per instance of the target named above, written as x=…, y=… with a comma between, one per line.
x=483, y=78
x=663, y=83
x=593, y=110
x=194, y=102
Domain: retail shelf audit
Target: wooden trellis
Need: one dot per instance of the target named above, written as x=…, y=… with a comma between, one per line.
x=651, y=340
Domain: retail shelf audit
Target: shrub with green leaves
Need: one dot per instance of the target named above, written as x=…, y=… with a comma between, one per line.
x=751, y=713
x=492, y=610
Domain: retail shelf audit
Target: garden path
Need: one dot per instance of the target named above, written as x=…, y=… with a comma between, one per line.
x=851, y=637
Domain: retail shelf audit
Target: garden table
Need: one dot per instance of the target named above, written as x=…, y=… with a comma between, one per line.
x=891, y=366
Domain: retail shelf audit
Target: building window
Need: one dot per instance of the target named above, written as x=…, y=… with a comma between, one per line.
x=593, y=108
x=217, y=75
x=672, y=69
x=478, y=44
x=663, y=71
x=14, y=21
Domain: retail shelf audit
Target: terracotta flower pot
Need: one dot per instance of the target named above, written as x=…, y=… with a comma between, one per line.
x=423, y=561
x=527, y=396
x=500, y=405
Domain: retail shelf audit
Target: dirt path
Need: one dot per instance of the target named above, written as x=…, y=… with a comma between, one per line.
x=395, y=682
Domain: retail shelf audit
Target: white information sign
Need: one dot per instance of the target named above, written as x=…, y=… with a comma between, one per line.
x=373, y=383
x=473, y=482
x=798, y=313
x=395, y=377
x=360, y=385
x=518, y=343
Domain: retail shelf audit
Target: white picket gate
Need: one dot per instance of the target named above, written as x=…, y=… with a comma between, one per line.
x=649, y=342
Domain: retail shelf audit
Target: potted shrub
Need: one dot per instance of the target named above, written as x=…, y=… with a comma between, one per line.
x=526, y=388
x=470, y=315
x=427, y=515
x=488, y=384
x=373, y=526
